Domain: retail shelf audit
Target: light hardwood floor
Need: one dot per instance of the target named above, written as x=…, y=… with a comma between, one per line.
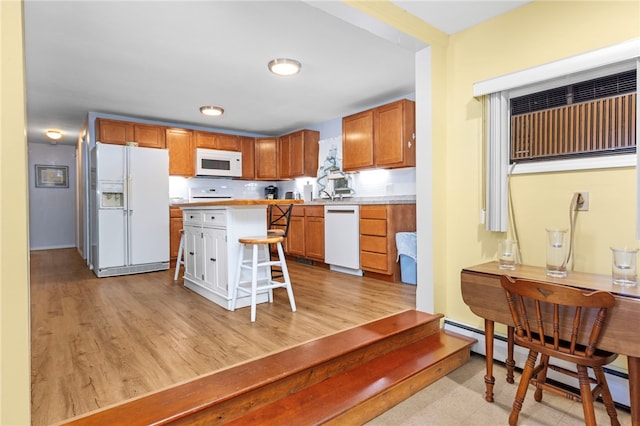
x=97, y=342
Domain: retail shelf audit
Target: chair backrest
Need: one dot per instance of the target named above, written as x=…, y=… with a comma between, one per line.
x=562, y=318
x=279, y=217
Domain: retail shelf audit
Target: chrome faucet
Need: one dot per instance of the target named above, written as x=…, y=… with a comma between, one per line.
x=329, y=195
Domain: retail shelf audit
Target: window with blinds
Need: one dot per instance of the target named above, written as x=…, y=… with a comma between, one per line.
x=594, y=117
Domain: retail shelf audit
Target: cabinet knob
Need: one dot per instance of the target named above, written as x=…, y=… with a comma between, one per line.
x=212, y=259
x=191, y=253
x=191, y=217
x=213, y=217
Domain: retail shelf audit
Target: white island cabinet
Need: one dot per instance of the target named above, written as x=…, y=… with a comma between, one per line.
x=211, y=231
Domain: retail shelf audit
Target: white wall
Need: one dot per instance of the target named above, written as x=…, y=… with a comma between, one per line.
x=52, y=211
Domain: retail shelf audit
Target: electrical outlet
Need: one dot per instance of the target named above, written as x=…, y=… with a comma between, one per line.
x=583, y=201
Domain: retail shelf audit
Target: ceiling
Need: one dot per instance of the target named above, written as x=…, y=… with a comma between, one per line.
x=163, y=60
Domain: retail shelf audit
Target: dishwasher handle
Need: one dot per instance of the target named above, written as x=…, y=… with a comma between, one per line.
x=341, y=211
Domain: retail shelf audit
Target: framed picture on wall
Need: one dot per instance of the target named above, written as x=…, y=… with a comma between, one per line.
x=52, y=176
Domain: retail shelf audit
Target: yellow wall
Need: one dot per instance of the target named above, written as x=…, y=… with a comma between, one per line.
x=15, y=382
x=531, y=35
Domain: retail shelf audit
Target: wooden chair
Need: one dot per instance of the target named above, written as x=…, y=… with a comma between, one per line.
x=257, y=284
x=279, y=217
x=564, y=323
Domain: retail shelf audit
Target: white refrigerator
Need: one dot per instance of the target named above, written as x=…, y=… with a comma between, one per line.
x=129, y=209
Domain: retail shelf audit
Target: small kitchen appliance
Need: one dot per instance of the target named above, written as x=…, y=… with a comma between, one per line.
x=271, y=192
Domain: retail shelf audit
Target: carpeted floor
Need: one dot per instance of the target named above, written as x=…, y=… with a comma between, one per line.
x=458, y=399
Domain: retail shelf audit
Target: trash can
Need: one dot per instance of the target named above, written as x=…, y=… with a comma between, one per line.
x=407, y=247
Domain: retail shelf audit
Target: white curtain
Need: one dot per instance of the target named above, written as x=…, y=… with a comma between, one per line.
x=497, y=158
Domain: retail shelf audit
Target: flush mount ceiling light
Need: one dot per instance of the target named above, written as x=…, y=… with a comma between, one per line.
x=212, y=111
x=284, y=67
x=54, y=134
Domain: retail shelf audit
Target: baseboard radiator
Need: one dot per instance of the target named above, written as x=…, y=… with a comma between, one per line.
x=617, y=379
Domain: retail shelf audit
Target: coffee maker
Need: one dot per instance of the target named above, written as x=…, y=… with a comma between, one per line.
x=271, y=192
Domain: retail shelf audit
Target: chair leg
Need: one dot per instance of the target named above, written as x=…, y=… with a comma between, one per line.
x=541, y=378
x=267, y=258
x=179, y=260
x=254, y=282
x=522, y=387
x=587, y=397
x=285, y=275
x=606, y=396
x=234, y=287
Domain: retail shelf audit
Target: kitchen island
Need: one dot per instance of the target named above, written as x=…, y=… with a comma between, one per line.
x=211, y=232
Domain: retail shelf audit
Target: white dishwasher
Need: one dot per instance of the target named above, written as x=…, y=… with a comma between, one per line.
x=342, y=238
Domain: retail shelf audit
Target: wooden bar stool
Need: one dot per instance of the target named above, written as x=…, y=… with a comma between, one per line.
x=180, y=259
x=267, y=283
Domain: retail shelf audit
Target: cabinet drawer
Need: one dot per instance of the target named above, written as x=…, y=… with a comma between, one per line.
x=314, y=211
x=298, y=211
x=214, y=218
x=373, y=261
x=373, y=244
x=373, y=212
x=192, y=218
x=373, y=227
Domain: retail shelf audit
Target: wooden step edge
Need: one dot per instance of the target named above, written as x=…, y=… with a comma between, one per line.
x=358, y=393
x=185, y=399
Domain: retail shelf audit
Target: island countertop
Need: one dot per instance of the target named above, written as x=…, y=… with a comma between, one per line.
x=236, y=203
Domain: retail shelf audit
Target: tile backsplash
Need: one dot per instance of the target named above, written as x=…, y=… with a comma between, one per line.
x=370, y=183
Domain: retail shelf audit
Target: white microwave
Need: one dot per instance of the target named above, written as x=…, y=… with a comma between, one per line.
x=214, y=162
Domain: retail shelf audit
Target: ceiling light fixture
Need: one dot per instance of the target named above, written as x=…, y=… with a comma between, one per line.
x=284, y=67
x=54, y=134
x=212, y=111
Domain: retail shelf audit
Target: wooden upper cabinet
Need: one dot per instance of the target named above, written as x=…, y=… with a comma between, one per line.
x=113, y=131
x=394, y=135
x=221, y=141
x=149, y=135
x=357, y=141
x=180, y=144
x=382, y=137
x=284, y=157
x=205, y=140
x=298, y=154
x=248, y=148
x=120, y=132
x=228, y=142
x=266, y=158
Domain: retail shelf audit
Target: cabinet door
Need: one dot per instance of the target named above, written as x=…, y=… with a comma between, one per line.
x=357, y=141
x=310, y=154
x=284, y=157
x=314, y=243
x=296, y=237
x=113, y=131
x=192, y=253
x=205, y=140
x=266, y=154
x=149, y=135
x=181, y=152
x=215, y=260
x=296, y=154
x=247, y=147
x=227, y=142
x=394, y=134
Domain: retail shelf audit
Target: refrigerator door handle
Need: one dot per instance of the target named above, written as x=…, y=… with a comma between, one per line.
x=130, y=196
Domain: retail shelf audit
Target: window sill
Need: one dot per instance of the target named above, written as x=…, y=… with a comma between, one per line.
x=604, y=162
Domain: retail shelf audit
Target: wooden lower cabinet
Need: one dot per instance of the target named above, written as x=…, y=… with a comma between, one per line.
x=314, y=232
x=378, y=227
x=306, y=233
x=175, y=225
